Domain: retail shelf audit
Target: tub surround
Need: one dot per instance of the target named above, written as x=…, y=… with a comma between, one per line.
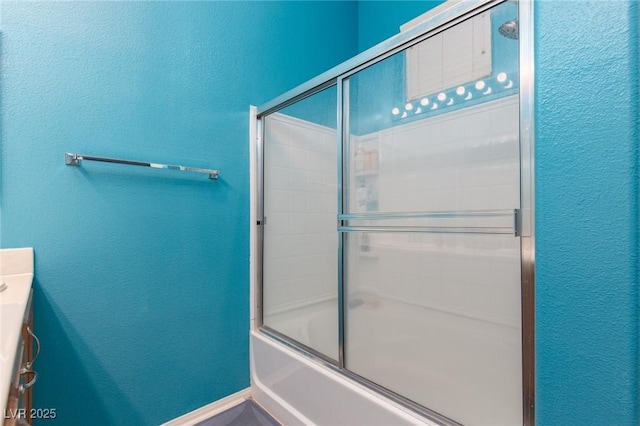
x=16, y=272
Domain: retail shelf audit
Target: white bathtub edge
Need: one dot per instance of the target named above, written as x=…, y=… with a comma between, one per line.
x=274, y=384
x=277, y=407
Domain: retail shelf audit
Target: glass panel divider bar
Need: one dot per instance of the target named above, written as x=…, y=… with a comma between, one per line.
x=343, y=123
x=512, y=229
x=427, y=229
x=406, y=215
x=527, y=204
x=260, y=218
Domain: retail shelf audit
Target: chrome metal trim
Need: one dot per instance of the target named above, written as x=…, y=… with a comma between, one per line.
x=343, y=123
x=438, y=214
x=527, y=205
x=379, y=52
x=260, y=217
x=292, y=343
x=528, y=329
x=297, y=94
x=71, y=159
x=428, y=229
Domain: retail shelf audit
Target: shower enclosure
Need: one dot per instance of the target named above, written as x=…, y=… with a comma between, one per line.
x=394, y=219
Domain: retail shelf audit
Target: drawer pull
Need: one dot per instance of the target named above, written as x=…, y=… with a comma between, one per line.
x=23, y=387
x=30, y=363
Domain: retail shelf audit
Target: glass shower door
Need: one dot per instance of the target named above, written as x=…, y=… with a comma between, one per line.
x=396, y=241
x=300, y=243
x=432, y=279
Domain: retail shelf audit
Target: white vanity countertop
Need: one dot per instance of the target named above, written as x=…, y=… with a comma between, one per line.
x=16, y=272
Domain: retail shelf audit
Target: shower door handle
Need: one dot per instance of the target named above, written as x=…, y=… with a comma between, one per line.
x=504, y=222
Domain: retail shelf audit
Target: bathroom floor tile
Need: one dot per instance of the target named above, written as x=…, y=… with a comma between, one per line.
x=246, y=414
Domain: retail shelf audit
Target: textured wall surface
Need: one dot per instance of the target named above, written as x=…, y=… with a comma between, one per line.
x=142, y=278
x=587, y=212
x=141, y=291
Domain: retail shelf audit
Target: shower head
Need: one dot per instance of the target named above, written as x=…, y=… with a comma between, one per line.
x=509, y=29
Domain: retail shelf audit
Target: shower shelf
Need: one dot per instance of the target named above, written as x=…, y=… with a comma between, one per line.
x=368, y=255
x=366, y=173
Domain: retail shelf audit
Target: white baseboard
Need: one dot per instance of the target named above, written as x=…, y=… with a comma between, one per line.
x=210, y=410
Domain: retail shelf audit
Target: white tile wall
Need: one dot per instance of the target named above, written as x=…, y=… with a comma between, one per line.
x=475, y=276
x=301, y=242
x=465, y=160
x=465, y=369
x=456, y=56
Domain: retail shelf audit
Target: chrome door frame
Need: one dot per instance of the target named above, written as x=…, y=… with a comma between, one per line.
x=526, y=214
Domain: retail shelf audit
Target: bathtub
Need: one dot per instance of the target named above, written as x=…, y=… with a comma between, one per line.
x=299, y=390
x=381, y=345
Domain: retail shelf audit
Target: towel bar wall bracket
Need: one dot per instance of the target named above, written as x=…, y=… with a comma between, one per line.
x=71, y=159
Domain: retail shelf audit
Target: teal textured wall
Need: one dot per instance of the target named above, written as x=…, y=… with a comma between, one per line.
x=587, y=212
x=142, y=280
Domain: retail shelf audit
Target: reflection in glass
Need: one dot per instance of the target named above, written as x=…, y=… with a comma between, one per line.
x=439, y=123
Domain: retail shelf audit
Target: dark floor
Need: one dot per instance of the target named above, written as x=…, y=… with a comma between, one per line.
x=246, y=414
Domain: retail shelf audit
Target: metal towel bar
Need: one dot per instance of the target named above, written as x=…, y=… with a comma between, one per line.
x=71, y=159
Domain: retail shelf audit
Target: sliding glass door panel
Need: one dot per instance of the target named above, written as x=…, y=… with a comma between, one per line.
x=436, y=319
x=432, y=262
x=300, y=243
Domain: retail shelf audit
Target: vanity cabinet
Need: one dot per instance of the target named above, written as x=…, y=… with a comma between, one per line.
x=20, y=401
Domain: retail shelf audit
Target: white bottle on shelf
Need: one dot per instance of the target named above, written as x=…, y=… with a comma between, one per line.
x=358, y=160
x=361, y=198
